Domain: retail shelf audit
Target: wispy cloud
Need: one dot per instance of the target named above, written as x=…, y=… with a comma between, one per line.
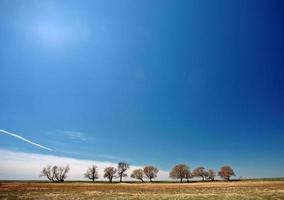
x=74, y=135
x=27, y=166
x=110, y=157
x=24, y=139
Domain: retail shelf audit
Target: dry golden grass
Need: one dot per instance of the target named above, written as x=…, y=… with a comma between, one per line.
x=101, y=191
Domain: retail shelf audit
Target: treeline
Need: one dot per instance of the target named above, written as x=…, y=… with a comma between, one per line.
x=180, y=172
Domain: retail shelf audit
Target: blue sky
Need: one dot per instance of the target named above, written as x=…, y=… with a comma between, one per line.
x=149, y=82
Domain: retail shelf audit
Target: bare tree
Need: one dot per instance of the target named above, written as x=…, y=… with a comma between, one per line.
x=226, y=172
x=122, y=167
x=48, y=173
x=151, y=172
x=61, y=173
x=55, y=173
x=138, y=174
x=211, y=174
x=179, y=172
x=188, y=175
x=92, y=173
x=109, y=173
x=200, y=172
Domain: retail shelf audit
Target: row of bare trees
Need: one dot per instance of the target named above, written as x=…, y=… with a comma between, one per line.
x=149, y=172
x=179, y=171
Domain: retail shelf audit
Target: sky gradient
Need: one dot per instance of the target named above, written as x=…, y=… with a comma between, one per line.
x=148, y=82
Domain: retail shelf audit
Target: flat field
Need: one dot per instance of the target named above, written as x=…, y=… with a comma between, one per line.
x=101, y=191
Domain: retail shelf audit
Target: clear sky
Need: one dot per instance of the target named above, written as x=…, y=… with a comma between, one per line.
x=148, y=82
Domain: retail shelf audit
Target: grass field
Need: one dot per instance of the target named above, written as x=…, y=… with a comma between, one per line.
x=210, y=190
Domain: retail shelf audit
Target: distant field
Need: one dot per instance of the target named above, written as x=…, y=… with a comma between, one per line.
x=101, y=191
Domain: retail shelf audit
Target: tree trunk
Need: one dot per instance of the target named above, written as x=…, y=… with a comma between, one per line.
x=110, y=179
x=120, y=179
x=181, y=179
x=202, y=178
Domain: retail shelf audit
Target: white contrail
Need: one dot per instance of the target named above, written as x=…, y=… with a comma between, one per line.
x=26, y=140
